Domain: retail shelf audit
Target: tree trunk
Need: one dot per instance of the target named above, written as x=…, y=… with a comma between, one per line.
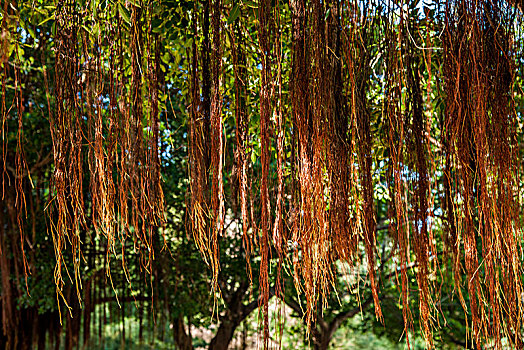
x=182, y=338
x=73, y=322
x=224, y=335
x=87, y=314
x=236, y=313
x=323, y=338
x=42, y=331
x=323, y=345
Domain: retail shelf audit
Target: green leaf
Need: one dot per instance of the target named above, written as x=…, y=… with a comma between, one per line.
x=30, y=31
x=87, y=29
x=156, y=25
x=47, y=19
x=165, y=58
x=233, y=14
x=126, y=16
x=94, y=6
x=134, y=2
x=20, y=52
x=327, y=14
x=251, y=4
x=96, y=29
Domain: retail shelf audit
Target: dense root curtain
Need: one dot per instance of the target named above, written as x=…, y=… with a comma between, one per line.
x=105, y=122
x=457, y=162
x=337, y=109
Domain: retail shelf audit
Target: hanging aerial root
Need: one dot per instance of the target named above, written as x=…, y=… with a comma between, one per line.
x=120, y=195
x=266, y=109
x=66, y=132
x=398, y=187
x=481, y=140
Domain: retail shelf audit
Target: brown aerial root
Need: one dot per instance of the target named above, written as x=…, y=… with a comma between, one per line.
x=66, y=132
x=198, y=183
x=4, y=42
x=480, y=140
x=207, y=211
x=217, y=144
x=398, y=187
x=123, y=163
x=242, y=133
x=358, y=71
x=266, y=109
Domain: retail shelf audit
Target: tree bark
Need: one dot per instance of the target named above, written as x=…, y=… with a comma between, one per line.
x=326, y=330
x=73, y=322
x=224, y=335
x=182, y=338
x=323, y=331
x=234, y=315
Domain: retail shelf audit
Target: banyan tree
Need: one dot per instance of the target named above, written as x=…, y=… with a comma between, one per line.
x=297, y=115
